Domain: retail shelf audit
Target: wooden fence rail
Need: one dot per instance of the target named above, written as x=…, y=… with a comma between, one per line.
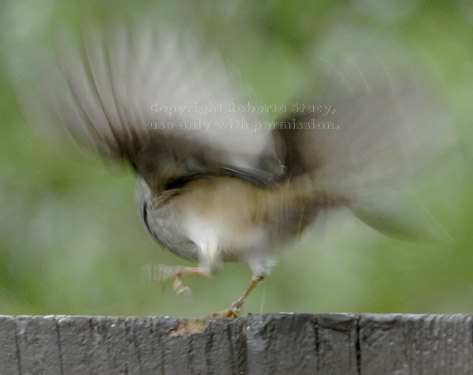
x=326, y=344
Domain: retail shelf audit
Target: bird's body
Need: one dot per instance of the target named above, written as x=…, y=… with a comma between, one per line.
x=227, y=219
x=218, y=193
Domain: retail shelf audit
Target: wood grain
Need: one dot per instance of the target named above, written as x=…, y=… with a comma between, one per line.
x=325, y=344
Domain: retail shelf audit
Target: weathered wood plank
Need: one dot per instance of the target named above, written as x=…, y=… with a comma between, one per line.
x=226, y=347
x=147, y=337
x=205, y=347
x=416, y=344
x=83, y=346
x=9, y=353
x=337, y=344
x=281, y=344
x=38, y=345
x=323, y=344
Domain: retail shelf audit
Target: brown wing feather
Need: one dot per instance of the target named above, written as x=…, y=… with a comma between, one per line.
x=160, y=103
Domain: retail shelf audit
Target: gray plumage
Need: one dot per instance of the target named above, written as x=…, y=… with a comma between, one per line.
x=214, y=188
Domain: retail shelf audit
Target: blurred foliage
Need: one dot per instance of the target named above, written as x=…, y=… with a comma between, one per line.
x=70, y=238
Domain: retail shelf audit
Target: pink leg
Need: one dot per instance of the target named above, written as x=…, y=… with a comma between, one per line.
x=162, y=273
x=236, y=306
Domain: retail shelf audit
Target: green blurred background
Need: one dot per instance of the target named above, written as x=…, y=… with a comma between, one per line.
x=71, y=241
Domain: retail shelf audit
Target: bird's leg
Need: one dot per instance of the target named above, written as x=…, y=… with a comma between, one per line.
x=163, y=273
x=236, y=306
x=177, y=284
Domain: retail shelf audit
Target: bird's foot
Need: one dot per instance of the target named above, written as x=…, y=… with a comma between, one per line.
x=162, y=274
x=232, y=312
x=179, y=287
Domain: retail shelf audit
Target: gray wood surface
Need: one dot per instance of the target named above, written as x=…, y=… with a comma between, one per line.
x=325, y=344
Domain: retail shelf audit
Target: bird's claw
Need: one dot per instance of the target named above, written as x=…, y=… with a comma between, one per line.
x=163, y=274
x=179, y=286
x=232, y=312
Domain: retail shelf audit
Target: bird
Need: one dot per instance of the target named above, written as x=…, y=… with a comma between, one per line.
x=217, y=181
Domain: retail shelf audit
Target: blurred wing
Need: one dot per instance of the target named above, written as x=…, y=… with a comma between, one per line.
x=374, y=134
x=158, y=102
x=367, y=138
